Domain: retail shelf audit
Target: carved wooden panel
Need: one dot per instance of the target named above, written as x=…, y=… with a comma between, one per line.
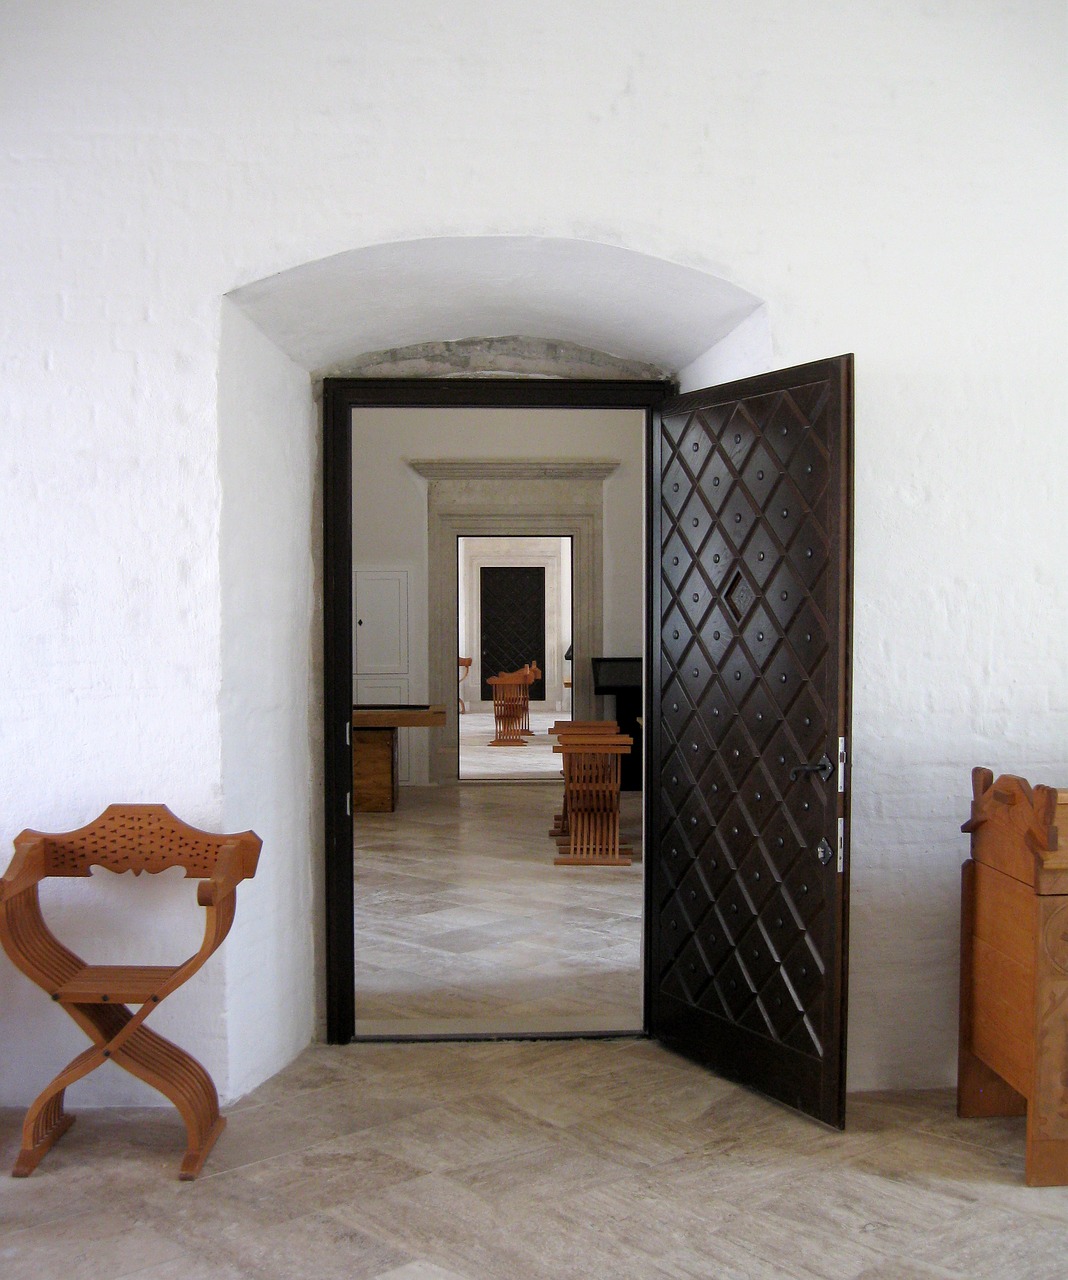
x=133, y=837
x=1013, y=1043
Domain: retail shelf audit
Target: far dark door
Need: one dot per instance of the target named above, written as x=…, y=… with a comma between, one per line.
x=750, y=687
x=512, y=612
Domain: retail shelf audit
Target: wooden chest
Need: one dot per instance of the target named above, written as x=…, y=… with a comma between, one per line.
x=1013, y=1047
x=375, y=776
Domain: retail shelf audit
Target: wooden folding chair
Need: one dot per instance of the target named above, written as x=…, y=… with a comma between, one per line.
x=465, y=671
x=533, y=673
x=561, y=730
x=511, y=691
x=137, y=838
x=591, y=791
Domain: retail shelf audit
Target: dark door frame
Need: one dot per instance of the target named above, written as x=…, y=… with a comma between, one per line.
x=340, y=397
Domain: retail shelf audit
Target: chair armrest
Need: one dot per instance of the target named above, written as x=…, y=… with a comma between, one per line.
x=236, y=862
x=28, y=867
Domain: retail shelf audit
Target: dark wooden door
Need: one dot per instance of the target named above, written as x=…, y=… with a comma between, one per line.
x=512, y=623
x=750, y=686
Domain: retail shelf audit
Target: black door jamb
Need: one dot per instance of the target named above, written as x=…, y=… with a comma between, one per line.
x=340, y=397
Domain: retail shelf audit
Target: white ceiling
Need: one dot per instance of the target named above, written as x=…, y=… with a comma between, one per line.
x=600, y=296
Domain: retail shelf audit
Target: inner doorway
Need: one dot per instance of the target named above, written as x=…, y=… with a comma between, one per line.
x=513, y=609
x=463, y=924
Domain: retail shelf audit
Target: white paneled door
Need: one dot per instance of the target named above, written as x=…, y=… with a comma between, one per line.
x=380, y=638
x=380, y=634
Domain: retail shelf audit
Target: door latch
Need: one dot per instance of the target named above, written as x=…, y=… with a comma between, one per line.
x=822, y=766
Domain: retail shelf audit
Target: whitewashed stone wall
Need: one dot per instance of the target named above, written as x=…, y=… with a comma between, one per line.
x=889, y=179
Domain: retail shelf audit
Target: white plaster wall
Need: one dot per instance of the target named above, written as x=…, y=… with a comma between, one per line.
x=891, y=179
x=746, y=350
x=109, y=626
x=271, y=685
x=389, y=511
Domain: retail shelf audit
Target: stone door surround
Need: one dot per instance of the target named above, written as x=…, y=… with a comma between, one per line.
x=483, y=497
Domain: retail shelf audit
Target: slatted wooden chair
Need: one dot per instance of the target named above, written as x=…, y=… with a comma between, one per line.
x=591, y=791
x=465, y=671
x=511, y=703
x=137, y=838
x=561, y=730
x=533, y=674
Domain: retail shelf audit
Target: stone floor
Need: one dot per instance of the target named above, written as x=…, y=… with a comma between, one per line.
x=535, y=759
x=522, y=1159
x=542, y=1160
x=464, y=925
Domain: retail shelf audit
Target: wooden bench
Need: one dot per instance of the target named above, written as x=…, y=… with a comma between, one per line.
x=137, y=838
x=591, y=799
x=1013, y=1046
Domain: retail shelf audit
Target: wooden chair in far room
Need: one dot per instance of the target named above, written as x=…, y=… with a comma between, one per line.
x=137, y=838
x=465, y=671
x=511, y=695
x=534, y=673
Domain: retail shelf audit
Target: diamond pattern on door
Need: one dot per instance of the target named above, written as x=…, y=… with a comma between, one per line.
x=512, y=615
x=748, y=689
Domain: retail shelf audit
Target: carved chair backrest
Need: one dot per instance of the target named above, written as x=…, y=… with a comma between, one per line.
x=512, y=678
x=137, y=838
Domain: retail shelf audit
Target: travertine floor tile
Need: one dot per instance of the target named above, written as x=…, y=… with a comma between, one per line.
x=543, y=1160
x=421, y=1271
x=103, y=1242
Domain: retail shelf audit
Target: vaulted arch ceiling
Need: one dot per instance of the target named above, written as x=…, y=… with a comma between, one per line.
x=604, y=297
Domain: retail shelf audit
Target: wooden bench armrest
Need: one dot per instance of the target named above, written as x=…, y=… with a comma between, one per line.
x=27, y=868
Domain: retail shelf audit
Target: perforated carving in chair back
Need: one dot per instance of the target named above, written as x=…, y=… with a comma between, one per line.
x=135, y=837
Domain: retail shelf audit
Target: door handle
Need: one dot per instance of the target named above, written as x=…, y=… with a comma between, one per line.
x=822, y=766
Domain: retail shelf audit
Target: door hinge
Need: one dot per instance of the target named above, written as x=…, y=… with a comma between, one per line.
x=348, y=736
x=841, y=764
x=841, y=845
x=348, y=804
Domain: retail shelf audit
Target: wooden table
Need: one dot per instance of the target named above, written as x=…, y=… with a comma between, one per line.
x=374, y=750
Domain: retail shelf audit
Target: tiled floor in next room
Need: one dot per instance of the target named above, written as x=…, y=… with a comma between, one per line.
x=463, y=923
